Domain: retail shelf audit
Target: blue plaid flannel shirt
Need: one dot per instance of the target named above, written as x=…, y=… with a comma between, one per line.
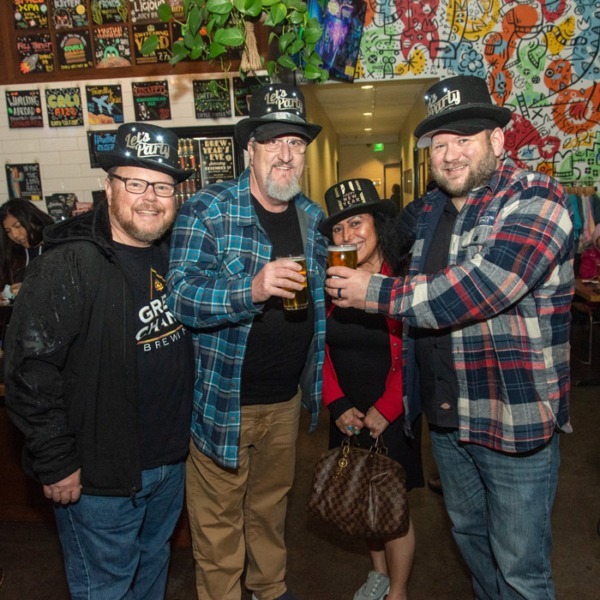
x=217, y=247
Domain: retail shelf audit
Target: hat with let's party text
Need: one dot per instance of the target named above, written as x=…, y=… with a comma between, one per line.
x=146, y=146
x=462, y=105
x=276, y=109
x=352, y=197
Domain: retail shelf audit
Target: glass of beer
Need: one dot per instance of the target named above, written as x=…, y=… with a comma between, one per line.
x=342, y=256
x=300, y=299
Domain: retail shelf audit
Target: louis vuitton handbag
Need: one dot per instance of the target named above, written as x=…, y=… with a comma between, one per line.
x=361, y=492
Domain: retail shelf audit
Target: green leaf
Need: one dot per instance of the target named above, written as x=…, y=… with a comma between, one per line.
x=180, y=48
x=165, y=12
x=219, y=7
x=177, y=58
x=215, y=50
x=287, y=63
x=295, y=47
x=267, y=3
x=194, y=20
x=231, y=36
x=252, y=8
x=296, y=5
x=197, y=50
x=312, y=31
x=285, y=40
x=276, y=15
x=312, y=72
x=272, y=36
x=314, y=59
x=271, y=68
x=189, y=39
x=150, y=44
x=296, y=18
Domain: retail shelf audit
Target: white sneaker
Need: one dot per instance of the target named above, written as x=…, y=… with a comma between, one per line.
x=375, y=588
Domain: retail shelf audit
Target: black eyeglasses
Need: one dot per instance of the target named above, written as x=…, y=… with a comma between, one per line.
x=295, y=145
x=139, y=186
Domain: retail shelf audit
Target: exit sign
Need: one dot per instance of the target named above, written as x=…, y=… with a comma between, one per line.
x=378, y=147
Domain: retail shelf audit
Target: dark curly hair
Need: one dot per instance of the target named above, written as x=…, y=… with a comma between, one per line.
x=395, y=244
x=13, y=257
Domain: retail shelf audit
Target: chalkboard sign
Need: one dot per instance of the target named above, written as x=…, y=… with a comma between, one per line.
x=24, y=108
x=98, y=142
x=24, y=181
x=209, y=105
x=216, y=159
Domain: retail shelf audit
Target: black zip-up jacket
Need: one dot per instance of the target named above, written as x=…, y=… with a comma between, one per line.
x=70, y=366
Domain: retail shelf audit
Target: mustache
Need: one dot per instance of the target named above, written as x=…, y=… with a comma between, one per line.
x=149, y=206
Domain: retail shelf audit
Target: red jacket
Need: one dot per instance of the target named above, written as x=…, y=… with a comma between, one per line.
x=390, y=404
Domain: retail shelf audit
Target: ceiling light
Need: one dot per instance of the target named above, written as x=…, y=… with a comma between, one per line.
x=366, y=87
x=368, y=129
x=368, y=114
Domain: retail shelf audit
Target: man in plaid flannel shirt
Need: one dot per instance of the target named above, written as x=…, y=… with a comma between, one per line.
x=486, y=306
x=227, y=282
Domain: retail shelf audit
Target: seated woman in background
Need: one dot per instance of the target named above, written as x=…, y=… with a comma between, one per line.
x=20, y=241
x=362, y=376
x=590, y=257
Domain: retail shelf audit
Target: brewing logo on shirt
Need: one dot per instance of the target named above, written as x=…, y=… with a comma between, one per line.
x=158, y=327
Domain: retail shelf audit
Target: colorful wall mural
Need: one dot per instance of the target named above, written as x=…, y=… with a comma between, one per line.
x=540, y=58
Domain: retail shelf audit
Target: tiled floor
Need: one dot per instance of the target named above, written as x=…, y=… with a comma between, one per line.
x=324, y=565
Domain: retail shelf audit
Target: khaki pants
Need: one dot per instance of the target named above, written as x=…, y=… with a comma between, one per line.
x=237, y=512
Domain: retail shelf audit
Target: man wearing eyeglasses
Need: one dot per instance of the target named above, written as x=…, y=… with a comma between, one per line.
x=228, y=277
x=100, y=375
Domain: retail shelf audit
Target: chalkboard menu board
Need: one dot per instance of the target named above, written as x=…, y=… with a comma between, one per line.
x=98, y=142
x=216, y=159
x=212, y=101
x=24, y=108
x=24, y=181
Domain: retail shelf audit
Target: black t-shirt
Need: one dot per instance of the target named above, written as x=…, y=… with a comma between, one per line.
x=279, y=340
x=439, y=388
x=165, y=367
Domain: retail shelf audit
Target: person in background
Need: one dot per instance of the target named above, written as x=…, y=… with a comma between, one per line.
x=227, y=284
x=99, y=376
x=21, y=242
x=486, y=315
x=589, y=267
x=396, y=197
x=362, y=375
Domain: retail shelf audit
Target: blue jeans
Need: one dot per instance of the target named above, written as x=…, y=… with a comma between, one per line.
x=117, y=549
x=500, y=506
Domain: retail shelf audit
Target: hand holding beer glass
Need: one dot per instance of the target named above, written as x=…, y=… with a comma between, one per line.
x=342, y=256
x=300, y=299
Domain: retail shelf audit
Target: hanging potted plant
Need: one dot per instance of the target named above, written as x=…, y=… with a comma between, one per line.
x=211, y=29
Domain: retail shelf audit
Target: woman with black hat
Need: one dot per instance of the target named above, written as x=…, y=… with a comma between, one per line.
x=362, y=377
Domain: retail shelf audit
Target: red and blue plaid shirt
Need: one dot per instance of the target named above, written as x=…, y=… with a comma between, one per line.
x=506, y=296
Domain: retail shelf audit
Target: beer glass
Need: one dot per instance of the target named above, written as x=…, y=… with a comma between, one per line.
x=342, y=256
x=300, y=299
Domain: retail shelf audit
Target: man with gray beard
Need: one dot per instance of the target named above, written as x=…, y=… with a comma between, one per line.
x=228, y=278
x=486, y=338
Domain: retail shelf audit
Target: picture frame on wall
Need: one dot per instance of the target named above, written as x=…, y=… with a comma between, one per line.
x=408, y=181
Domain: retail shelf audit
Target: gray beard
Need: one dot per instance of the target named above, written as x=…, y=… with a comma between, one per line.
x=283, y=193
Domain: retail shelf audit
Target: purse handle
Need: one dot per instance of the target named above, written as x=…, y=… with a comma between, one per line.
x=377, y=447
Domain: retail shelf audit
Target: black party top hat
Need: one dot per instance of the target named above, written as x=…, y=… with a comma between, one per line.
x=147, y=146
x=352, y=197
x=276, y=109
x=462, y=105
